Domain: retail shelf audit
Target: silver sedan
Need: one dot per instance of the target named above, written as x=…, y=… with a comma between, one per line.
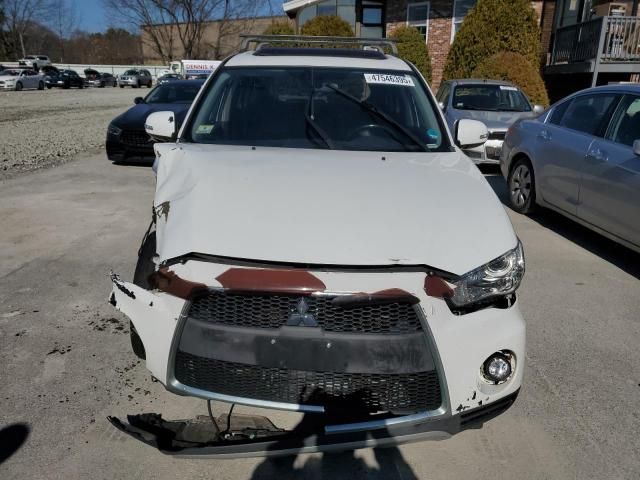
x=582, y=159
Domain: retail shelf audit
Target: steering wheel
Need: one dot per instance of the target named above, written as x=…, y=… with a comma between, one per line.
x=367, y=130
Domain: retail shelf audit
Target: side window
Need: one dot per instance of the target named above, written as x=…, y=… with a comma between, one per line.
x=558, y=113
x=585, y=113
x=626, y=124
x=443, y=94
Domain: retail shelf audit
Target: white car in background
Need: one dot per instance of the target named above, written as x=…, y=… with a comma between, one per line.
x=34, y=61
x=19, y=79
x=321, y=244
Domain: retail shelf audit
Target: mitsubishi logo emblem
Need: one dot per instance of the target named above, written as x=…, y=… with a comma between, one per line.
x=300, y=317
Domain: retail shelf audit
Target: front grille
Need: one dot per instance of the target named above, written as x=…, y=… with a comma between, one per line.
x=273, y=311
x=135, y=139
x=409, y=392
x=497, y=135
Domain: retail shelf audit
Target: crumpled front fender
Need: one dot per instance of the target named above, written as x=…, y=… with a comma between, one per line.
x=155, y=316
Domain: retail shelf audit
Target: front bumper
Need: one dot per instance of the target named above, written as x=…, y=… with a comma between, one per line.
x=487, y=154
x=457, y=346
x=10, y=86
x=130, y=82
x=257, y=436
x=119, y=151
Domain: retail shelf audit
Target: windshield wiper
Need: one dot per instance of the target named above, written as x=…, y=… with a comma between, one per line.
x=309, y=117
x=370, y=108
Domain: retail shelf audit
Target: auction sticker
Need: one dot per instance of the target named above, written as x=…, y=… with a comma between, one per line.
x=389, y=79
x=505, y=87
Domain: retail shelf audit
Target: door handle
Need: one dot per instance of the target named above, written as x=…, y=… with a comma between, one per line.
x=597, y=154
x=544, y=135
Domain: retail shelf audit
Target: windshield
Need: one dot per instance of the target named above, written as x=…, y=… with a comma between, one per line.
x=131, y=72
x=493, y=98
x=318, y=108
x=172, y=93
x=13, y=73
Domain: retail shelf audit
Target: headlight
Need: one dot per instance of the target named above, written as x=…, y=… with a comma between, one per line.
x=499, y=277
x=113, y=130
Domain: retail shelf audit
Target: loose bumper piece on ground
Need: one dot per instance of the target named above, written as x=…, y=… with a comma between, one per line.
x=249, y=435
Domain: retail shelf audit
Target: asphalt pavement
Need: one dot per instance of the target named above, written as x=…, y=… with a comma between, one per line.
x=66, y=363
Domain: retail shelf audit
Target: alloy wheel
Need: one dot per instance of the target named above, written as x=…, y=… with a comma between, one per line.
x=520, y=187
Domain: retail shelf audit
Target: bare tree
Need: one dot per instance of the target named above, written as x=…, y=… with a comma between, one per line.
x=237, y=16
x=63, y=20
x=19, y=17
x=171, y=28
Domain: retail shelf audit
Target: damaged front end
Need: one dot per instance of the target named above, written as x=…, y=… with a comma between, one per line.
x=370, y=357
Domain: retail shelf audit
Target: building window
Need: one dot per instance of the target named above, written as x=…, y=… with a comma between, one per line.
x=345, y=9
x=418, y=17
x=460, y=10
x=372, y=19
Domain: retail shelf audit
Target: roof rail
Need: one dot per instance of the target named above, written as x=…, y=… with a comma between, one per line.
x=371, y=43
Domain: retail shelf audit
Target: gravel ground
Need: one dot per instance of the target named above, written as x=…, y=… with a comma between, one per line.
x=44, y=128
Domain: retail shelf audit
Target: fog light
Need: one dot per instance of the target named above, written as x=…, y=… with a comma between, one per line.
x=497, y=368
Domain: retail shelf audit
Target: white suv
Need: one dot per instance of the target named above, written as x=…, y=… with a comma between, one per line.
x=34, y=61
x=321, y=244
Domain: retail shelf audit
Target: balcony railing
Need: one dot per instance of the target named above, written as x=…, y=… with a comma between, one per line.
x=607, y=39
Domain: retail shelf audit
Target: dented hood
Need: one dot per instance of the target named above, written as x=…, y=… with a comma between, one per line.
x=327, y=207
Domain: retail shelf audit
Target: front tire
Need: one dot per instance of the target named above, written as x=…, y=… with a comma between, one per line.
x=144, y=268
x=522, y=187
x=18, y=86
x=121, y=86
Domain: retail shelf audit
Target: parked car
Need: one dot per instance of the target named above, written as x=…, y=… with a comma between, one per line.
x=581, y=159
x=495, y=103
x=35, y=62
x=65, y=79
x=126, y=138
x=94, y=78
x=320, y=245
x=169, y=77
x=17, y=79
x=135, y=79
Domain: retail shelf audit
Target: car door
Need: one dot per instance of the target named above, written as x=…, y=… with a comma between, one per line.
x=33, y=79
x=26, y=79
x=610, y=191
x=562, y=143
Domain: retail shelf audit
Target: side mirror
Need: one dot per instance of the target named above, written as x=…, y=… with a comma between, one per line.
x=138, y=100
x=636, y=148
x=442, y=106
x=538, y=109
x=161, y=126
x=470, y=133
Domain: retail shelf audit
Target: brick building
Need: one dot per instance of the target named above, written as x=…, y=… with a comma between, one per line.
x=438, y=20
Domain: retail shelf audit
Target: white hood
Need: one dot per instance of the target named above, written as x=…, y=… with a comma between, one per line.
x=328, y=207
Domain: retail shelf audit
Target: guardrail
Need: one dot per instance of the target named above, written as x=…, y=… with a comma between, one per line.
x=612, y=39
x=112, y=69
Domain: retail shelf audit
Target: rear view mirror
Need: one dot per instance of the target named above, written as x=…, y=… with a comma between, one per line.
x=138, y=100
x=636, y=148
x=538, y=109
x=161, y=126
x=470, y=133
